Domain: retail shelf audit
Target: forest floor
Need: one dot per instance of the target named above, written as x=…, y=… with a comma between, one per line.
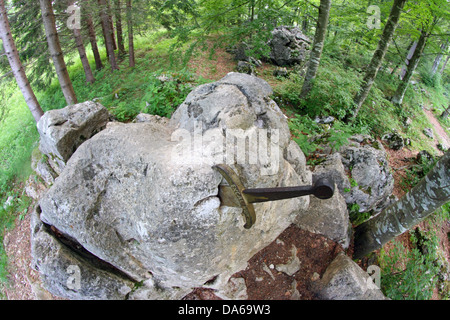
x=263, y=281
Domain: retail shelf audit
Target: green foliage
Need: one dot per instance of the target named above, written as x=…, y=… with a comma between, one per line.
x=164, y=92
x=357, y=217
x=302, y=128
x=429, y=79
x=417, y=172
x=411, y=275
x=332, y=94
x=310, y=136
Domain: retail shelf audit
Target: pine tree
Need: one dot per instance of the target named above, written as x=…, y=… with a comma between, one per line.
x=16, y=65
x=109, y=40
x=54, y=46
x=118, y=16
x=93, y=41
x=130, y=35
x=82, y=51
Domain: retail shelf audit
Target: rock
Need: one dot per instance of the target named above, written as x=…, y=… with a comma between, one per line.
x=62, y=131
x=245, y=67
x=428, y=132
x=145, y=117
x=70, y=274
x=394, y=140
x=292, y=265
x=424, y=156
x=345, y=280
x=325, y=120
x=281, y=72
x=289, y=46
x=239, y=52
x=41, y=165
x=329, y=218
x=333, y=168
x=34, y=188
x=235, y=289
x=143, y=197
x=407, y=122
x=8, y=203
x=442, y=147
x=371, y=179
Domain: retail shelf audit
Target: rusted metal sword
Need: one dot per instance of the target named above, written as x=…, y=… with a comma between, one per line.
x=236, y=195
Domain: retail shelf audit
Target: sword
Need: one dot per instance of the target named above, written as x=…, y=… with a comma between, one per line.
x=236, y=195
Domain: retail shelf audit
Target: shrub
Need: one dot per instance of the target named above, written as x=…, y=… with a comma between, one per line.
x=332, y=93
x=412, y=275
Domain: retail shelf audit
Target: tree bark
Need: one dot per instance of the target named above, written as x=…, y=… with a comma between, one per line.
x=107, y=33
x=438, y=59
x=130, y=35
x=93, y=41
x=16, y=65
x=56, y=52
x=82, y=53
x=411, y=50
x=425, y=198
x=316, y=52
x=401, y=89
x=111, y=24
x=445, y=64
x=118, y=15
x=378, y=56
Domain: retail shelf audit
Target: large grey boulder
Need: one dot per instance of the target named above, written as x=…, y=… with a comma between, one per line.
x=289, y=46
x=143, y=197
x=345, y=280
x=329, y=218
x=62, y=131
x=371, y=179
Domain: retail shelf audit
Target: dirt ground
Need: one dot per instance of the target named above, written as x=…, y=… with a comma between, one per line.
x=23, y=282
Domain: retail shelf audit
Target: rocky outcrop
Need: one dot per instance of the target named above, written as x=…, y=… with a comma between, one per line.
x=289, y=46
x=135, y=213
x=371, y=179
x=62, y=131
x=345, y=280
x=138, y=198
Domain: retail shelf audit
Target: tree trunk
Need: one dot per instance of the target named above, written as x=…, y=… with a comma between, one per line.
x=82, y=53
x=118, y=14
x=445, y=114
x=111, y=24
x=378, y=56
x=445, y=64
x=430, y=194
x=56, y=52
x=316, y=52
x=107, y=33
x=401, y=89
x=130, y=35
x=411, y=50
x=93, y=41
x=16, y=65
x=438, y=59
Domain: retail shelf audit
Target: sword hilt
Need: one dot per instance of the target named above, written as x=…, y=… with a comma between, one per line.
x=236, y=195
